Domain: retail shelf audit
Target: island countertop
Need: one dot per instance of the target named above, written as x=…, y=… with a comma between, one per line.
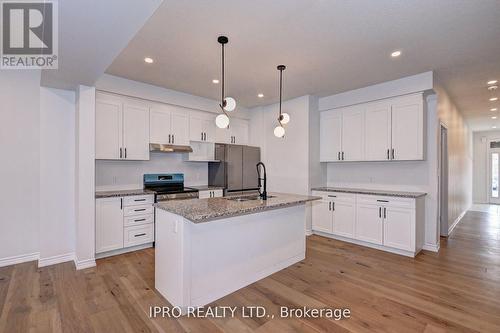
x=401, y=194
x=205, y=210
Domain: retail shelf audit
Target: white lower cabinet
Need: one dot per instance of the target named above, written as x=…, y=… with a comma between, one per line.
x=210, y=194
x=388, y=223
x=122, y=222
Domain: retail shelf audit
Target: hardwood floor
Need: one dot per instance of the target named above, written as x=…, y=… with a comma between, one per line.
x=457, y=290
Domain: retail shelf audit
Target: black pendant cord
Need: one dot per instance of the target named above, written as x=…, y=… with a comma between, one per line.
x=223, y=40
x=222, y=94
x=281, y=68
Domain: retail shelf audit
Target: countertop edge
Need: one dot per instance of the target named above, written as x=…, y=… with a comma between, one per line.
x=399, y=194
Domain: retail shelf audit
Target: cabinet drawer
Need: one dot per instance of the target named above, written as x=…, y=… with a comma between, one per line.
x=138, y=235
x=137, y=220
x=138, y=210
x=386, y=201
x=137, y=200
x=335, y=196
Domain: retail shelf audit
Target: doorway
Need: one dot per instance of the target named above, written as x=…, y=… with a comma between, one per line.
x=494, y=170
x=443, y=181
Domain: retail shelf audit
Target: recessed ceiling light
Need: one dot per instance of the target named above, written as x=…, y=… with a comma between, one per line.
x=492, y=88
x=215, y=81
x=494, y=117
x=492, y=82
x=148, y=60
x=493, y=109
x=260, y=95
x=493, y=127
x=396, y=54
x=493, y=99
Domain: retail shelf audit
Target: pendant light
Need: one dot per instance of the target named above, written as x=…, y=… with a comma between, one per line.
x=283, y=118
x=227, y=104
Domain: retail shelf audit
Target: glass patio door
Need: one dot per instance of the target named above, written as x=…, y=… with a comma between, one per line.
x=494, y=190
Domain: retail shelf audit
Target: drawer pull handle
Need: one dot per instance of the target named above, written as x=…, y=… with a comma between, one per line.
x=139, y=220
x=139, y=235
x=139, y=210
x=139, y=199
x=382, y=200
x=332, y=196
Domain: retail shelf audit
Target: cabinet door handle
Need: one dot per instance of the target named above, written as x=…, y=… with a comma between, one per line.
x=169, y=138
x=139, y=235
x=333, y=205
x=342, y=156
x=332, y=196
x=382, y=200
x=139, y=210
x=392, y=153
x=201, y=136
x=388, y=157
x=338, y=156
x=173, y=138
x=385, y=212
x=205, y=136
x=380, y=212
x=330, y=205
x=139, y=220
x=121, y=203
x=125, y=152
x=139, y=199
x=120, y=153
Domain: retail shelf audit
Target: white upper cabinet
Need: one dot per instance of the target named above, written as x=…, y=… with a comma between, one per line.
x=108, y=129
x=407, y=128
x=169, y=125
x=378, y=131
x=135, y=131
x=237, y=133
x=201, y=127
x=330, y=136
x=391, y=129
x=353, y=133
x=122, y=128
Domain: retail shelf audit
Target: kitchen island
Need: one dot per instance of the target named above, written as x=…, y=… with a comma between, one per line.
x=209, y=248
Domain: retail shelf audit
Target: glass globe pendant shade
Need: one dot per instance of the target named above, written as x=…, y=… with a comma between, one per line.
x=222, y=121
x=279, y=131
x=284, y=118
x=229, y=104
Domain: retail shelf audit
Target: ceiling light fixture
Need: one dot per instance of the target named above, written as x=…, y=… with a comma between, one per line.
x=493, y=127
x=493, y=109
x=260, y=95
x=493, y=99
x=491, y=88
x=148, y=60
x=494, y=117
x=283, y=118
x=492, y=82
x=396, y=54
x=215, y=81
x=227, y=104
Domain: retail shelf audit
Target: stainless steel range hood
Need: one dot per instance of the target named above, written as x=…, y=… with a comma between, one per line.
x=163, y=148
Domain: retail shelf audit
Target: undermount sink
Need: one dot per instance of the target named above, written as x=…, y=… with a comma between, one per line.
x=247, y=198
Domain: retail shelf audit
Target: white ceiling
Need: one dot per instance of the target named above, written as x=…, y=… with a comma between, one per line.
x=91, y=35
x=328, y=47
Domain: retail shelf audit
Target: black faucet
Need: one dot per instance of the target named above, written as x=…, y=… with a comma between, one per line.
x=263, y=194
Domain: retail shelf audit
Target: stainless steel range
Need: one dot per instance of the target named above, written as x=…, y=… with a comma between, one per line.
x=169, y=186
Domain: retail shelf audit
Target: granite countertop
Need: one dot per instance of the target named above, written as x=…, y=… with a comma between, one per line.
x=122, y=193
x=401, y=194
x=204, y=210
x=206, y=187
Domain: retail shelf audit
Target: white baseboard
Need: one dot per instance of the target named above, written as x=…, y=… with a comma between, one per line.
x=309, y=232
x=82, y=264
x=122, y=251
x=450, y=228
x=19, y=259
x=42, y=262
x=431, y=247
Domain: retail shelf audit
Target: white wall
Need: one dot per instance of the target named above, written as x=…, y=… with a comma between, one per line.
x=85, y=177
x=57, y=174
x=481, y=164
x=128, y=174
x=459, y=157
x=20, y=166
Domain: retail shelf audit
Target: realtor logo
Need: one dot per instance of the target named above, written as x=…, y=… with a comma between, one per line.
x=29, y=34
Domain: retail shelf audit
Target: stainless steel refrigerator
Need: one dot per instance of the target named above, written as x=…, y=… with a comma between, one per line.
x=237, y=169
